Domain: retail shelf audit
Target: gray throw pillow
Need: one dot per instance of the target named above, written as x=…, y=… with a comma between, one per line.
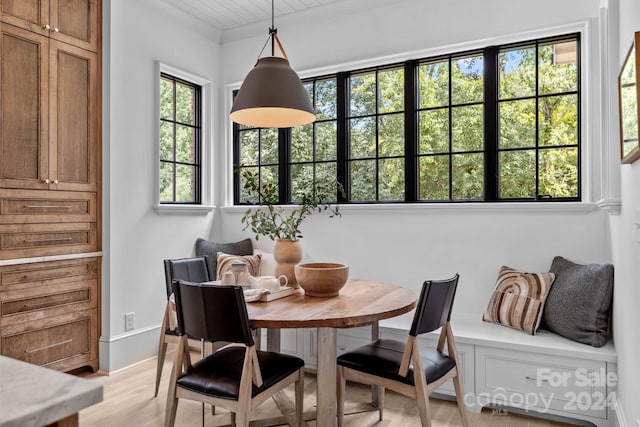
x=204, y=247
x=579, y=301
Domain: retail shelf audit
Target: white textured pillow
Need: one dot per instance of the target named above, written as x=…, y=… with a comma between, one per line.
x=267, y=263
x=225, y=261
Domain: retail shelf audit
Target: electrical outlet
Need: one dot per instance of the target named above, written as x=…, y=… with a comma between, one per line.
x=129, y=321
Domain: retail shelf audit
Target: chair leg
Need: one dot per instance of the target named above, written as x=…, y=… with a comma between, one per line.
x=425, y=410
x=380, y=402
x=172, y=400
x=300, y=397
x=340, y=394
x=233, y=419
x=162, y=351
x=457, y=385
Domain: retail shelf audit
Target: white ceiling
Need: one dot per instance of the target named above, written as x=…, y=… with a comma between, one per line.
x=227, y=14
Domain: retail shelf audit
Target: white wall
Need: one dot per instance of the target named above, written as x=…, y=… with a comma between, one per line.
x=136, y=239
x=407, y=246
x=626, y=241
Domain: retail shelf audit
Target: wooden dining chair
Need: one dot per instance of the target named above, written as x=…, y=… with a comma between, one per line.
x=236, y=377
x=404, y=367
x=194, y=270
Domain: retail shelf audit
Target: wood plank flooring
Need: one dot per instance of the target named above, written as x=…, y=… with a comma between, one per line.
x=129, y=401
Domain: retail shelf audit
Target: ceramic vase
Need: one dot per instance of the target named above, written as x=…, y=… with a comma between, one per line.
x=287, y=253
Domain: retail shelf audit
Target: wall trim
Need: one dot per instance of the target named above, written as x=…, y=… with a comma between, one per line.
x=123, y=350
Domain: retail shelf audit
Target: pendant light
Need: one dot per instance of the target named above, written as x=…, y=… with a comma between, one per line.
x=272, y=95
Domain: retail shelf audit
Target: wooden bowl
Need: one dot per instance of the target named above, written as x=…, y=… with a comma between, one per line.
x=322, y=279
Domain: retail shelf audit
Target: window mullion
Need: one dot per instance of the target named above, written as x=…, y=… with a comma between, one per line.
x=342, y=149
x=284, y=160
x=491, y=123
x=410, y=134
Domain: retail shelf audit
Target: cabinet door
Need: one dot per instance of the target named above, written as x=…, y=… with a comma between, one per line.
x=75, y=22
x=73, y=118
x=32, y=15
x=23, y=100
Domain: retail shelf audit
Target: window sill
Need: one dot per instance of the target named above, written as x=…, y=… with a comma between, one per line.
x=446, y=208
x=183, y=209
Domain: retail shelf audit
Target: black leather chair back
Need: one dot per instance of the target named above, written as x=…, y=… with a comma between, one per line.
x=212, y=312
x=434, y=305
x=190, y=269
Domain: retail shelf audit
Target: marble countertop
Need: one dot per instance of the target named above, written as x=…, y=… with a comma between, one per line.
x=31, y=395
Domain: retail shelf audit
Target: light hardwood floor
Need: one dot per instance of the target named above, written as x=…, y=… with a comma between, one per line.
x=128, y=401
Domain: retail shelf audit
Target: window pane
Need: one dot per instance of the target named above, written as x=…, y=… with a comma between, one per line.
x=249, y=147
x=326, y=173
x=246, y=194
x=467, y=176
x=185, y=102
x=558, y=67
x=363, y=180
x=185, y=183
x=391, y=90
x=433, y=177
x=269, y=177
x=517, y=174
x=363, y=138
x=629, y=119
x=326, y=99
x=166, y=99
x=391, y=135
x=268, y=146
x=467, y=128
x=559, y=172
x=166, y=182
x=302, y=143
x=185, y=144
x=363, y=94
x=466, y=80
x=433, y=84
x=558, y=120
x=166, y=141
x=517, y=124
x=326, y=141
x=517, y=72
x=301, y=181
x=433, y=136
x=391, y=179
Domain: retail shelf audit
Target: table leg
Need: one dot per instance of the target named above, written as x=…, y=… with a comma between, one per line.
x=326, y=378
x=375, y=334
x=273, y=340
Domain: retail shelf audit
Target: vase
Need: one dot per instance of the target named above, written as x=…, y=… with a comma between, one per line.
x=287, y=253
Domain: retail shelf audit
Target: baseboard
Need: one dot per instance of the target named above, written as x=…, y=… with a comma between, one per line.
x=119, y=351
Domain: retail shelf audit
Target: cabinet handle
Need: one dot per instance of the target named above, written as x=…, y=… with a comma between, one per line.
x=46, y=181
x=55, y=181
x=51, y=301
x=47, y=27
x=58, y=239
x=47, y=207
x=55, y=29
x=33, y=350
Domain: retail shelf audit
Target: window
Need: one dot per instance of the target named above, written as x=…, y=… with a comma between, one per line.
x=495, y=124
x=180, y=141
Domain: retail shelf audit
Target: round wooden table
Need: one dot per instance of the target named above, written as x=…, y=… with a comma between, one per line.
x=360, y=303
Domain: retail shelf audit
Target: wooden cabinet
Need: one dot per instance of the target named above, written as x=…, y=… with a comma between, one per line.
x=50, y=177
x=70, y=21
x=49, y=312
x=49, y=99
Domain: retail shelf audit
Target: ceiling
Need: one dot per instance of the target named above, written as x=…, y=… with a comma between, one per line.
x=227, y=14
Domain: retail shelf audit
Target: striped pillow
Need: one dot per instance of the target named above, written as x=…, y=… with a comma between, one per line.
x=518, y=300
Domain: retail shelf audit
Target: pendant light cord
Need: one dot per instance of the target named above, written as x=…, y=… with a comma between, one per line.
x=273, y=36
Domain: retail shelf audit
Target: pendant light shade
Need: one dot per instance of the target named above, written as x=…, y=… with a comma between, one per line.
x=272, y=96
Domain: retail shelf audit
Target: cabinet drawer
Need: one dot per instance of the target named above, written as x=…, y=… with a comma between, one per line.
x=37, y=274
x=542, y=382
x=61, y=342
x=21, y=241
x=21, y=207
x=42, y=302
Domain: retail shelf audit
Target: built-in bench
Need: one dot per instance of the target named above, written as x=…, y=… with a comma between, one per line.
x=543, y=374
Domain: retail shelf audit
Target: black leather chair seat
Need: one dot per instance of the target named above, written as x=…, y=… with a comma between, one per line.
x=383, y=357
x=219, y=374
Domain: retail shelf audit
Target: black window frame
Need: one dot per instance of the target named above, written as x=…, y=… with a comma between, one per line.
x=197, y=129
x=490, y=149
